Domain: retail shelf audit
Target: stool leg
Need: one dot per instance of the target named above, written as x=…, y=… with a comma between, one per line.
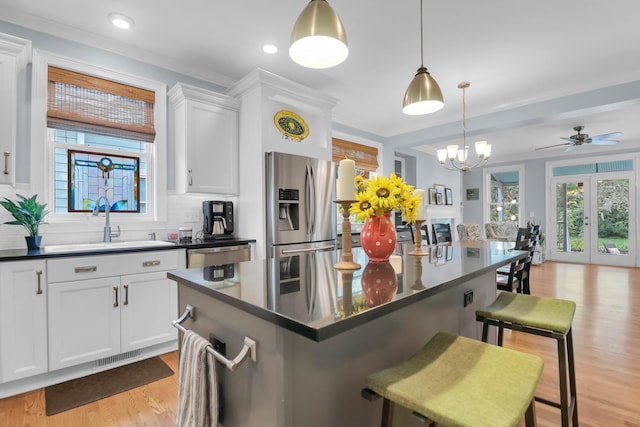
x=485, y=331
x=500, y=335
x=530, y=415
x=387, y=413
x=572, y=377
x=562, y=371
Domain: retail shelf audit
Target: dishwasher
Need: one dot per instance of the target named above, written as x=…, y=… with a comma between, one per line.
x=221, y=255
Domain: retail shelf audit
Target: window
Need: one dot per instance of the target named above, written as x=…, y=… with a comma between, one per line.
x=505, y=198
x=103, y=133
x=90, y=122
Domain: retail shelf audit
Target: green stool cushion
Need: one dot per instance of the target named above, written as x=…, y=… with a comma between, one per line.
x=537, y=312
x=457, y=381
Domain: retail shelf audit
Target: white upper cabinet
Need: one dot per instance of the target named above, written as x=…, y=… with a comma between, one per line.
x=15, y=54
x=206, y=140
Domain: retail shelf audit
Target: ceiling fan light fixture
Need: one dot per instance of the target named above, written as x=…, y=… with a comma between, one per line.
x=318, y=38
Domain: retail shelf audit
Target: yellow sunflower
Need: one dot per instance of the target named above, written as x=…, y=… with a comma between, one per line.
x=379, y=195
x=362, y=209
x=382, y=194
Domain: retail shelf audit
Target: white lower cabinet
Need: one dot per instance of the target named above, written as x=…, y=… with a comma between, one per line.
x=149, y=305
x=93, y=317
x=84, y=321
x=23, y=320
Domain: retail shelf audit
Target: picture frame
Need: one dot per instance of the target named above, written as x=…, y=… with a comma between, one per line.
x=438, y=199
x=448, y=196
x=473, y=194
x=432, y=196
x=449, y=253
x=433, y=255
x=440, y=190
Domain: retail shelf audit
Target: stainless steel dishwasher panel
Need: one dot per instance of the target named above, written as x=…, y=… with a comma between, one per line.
x=205, y=257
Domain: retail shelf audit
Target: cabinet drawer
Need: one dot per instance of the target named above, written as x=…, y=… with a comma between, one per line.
x=90, y=267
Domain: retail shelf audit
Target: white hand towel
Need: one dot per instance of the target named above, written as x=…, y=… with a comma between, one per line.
x=197, y=386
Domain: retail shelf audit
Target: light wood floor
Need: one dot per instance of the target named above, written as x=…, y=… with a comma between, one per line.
x=606, y=342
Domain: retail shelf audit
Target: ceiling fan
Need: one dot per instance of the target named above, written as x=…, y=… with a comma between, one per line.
x=583, y=138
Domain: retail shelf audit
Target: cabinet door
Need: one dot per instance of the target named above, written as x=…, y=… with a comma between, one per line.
x=84, y=321
x=149, y=304
x=212, y=148
x=23, y=320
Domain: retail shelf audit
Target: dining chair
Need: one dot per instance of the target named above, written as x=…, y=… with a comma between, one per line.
x=511, y=278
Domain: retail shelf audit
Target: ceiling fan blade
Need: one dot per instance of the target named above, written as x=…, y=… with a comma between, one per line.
x=607, y=135
x=603, y=142
x=570, y=139
x=570, y=148
x=555, y=145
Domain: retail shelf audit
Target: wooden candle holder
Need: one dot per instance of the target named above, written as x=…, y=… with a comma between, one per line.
x=417, y=240
x=346, y=260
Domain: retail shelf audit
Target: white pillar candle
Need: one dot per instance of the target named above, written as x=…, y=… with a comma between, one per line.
x=347, y=172
x=420, y=210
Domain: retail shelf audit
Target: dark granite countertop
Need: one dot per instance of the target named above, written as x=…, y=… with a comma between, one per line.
x=338, y=301
x=24, y=254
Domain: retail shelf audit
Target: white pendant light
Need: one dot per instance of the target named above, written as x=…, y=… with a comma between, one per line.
x=318, y=39
x=423, y=96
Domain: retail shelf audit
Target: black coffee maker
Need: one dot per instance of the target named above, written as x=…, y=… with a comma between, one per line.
x=218, y=220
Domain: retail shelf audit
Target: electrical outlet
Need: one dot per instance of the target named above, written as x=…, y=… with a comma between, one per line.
x=218, y=345
x=468, y=298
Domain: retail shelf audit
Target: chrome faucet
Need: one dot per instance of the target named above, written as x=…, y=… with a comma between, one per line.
x=108, y=234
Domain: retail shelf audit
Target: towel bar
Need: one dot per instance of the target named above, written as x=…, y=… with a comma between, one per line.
x=248, y=350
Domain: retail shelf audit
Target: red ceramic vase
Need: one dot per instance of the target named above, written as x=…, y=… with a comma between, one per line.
x=378, y=238
x=379, y=283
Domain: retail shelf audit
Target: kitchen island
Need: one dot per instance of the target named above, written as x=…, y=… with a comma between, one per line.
x=320, y=331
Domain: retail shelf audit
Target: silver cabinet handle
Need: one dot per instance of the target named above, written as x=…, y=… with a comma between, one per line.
x=87, y=269
x=150, y=263
x=6, y=162
x=115, y=291
x=39, y=274
x=126, y=295
x=190, y=176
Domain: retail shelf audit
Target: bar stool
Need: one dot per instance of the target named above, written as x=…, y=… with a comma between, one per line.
x=545, y=317
x=457, y=381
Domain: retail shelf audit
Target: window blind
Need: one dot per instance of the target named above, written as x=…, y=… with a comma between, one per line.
x=366, y=157
x=90, y=104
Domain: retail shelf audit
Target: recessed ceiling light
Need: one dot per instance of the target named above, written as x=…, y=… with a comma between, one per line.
x=121, y=21
x=269, y=48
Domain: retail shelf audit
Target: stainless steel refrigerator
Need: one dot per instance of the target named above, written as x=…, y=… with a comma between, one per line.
x=301, y=215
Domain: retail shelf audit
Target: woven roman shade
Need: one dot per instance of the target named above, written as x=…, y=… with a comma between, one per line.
x=366, y=157
x=84, y=103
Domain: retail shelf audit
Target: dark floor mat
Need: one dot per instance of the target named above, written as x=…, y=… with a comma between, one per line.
x=78, y=392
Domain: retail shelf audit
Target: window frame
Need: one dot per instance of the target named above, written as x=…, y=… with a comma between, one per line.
x=487, y=172
x=43, y=150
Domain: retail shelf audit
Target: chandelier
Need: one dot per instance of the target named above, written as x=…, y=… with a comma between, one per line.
x=454, y=158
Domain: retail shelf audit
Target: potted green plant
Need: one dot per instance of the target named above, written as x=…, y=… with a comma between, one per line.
x=28, y=213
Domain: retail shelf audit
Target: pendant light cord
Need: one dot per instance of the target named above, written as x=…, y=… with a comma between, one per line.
x=421, y=36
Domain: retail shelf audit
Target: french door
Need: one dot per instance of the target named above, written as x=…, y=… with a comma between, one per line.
x=593, y=219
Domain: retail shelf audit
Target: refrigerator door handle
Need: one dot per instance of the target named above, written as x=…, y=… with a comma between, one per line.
x=311, y=287
x=311, y=201
x=319, y=248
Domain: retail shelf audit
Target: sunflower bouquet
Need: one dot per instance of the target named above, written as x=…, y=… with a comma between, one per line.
x=380, y=195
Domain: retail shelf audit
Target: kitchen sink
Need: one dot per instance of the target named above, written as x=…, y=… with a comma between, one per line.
x=105, y=246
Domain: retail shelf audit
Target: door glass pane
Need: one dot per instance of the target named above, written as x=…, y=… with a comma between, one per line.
x=613, y=216
x=570, y=217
